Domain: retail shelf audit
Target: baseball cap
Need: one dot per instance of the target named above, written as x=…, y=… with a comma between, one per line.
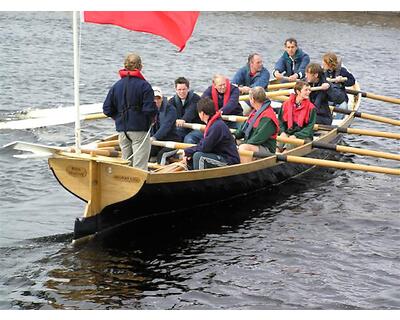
x=157, y=92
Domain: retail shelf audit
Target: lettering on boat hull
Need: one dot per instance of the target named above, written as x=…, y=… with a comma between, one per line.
x=126, y=179
x=76, y=171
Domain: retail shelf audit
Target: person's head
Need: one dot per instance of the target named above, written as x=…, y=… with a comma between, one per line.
x=205, y=108
x=291, y=46
x=133, y=61
x=302, y=90
x=257, y=96
x=182, y=87
x=219, y=82
x=330, y=61
x=255, y=62
x=158, y=96
x=313, y=72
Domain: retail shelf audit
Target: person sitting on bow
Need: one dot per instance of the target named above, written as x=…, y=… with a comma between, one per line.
x=217, y=148
x=297, y=116
x=261, y=128
x=339, y=77
x=164, y=127
x=253, y=74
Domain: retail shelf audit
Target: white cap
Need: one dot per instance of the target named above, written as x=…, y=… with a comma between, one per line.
x=157, y=92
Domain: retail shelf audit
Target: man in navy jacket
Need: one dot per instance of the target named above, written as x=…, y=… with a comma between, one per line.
x=130, y=102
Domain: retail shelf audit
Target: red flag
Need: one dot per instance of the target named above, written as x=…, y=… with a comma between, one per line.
x=175, y=26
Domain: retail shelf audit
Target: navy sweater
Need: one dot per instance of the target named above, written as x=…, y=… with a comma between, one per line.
x=141, y=110
x=219, y=140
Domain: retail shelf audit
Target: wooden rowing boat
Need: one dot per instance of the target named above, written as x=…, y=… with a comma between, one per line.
x=117, y=194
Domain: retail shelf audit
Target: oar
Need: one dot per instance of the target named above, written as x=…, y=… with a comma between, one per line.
x=382, y=134
x=368, y=116
x=374, y=96
x=181, y=145
x=336, y=164
x=278, y=86
x=342, y=149
x=277, y=93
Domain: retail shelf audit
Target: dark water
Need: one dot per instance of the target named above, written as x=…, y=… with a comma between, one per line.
x=327, y=240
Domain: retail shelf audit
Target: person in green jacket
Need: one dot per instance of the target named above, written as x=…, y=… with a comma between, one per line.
x=260, y=130
x=297, y=116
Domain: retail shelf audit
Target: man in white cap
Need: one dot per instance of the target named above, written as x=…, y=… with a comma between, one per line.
x=164, y=126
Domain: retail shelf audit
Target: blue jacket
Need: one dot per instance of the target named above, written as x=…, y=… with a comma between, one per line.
x=219, y=140
x=242, y=78
x=141, y=110
x=187, y=111
x=341, y=86
x=297, y=65
x=232, y=107
x=164, y=126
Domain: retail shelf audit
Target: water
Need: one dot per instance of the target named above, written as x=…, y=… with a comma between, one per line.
x=327, y=240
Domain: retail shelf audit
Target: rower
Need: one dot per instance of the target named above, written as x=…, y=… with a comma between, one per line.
x=291, y=65
x=261, y=128
x=297, y=116
x=339, y=77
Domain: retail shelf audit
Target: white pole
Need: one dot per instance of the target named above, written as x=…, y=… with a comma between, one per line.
x=75, y=29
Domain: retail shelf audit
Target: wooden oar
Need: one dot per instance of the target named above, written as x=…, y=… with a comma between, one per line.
x=181, y=145
x=336, y=164
x=368, y=116
x=278, y=86
x=277, y=93
x=374, y=96
x=382, y=134
x=342, y=149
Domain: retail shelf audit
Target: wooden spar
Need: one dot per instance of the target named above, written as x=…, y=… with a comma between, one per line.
x=374, y=96
x=383, y=134
x=342, y=149
x=367, y=116
x=278, y=86
x=336, y=164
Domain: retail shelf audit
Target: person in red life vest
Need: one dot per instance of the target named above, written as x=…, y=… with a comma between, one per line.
x=225, y=97
x=260, y=130
x=130, y=102
x=217, y=148
x=297, y=116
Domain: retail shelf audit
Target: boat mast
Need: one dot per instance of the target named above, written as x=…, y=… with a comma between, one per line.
x=75, y=28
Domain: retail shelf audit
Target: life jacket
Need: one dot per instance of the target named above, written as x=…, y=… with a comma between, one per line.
x=300, y=115
x=267, y=113
x=227, y=95
x=132, y=73
x=211, y=121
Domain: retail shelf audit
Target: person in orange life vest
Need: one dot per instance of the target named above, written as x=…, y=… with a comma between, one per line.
x=217, y=148
x=130, y=102
x=225, y=97
x=261, y=128
x=297, y=116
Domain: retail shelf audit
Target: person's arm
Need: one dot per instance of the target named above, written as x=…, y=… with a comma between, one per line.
x=214, y=136
x=263, y=79
x=350, y=78
x=282, y=123
x=238, y=77
x=190, y=112
x=233, y=101
x=149, y=107
x=109, y=109
x=167, y=124
x=263, y=132
x=308, y=130
x=279, y=67
x=239, y=133
x=303, y=64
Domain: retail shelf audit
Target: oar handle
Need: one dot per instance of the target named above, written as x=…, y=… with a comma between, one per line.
x=337, y=79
